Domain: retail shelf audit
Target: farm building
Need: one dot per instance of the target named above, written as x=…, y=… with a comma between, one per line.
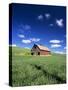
x=40, y=50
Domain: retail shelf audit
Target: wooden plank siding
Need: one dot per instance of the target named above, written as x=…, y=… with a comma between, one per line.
x=37, y=51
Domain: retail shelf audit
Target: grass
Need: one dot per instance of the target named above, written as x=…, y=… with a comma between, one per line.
x=37, y=70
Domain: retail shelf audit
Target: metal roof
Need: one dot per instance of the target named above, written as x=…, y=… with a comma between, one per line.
x=43, y=47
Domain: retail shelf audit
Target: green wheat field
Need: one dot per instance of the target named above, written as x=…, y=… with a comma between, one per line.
x=30, y=70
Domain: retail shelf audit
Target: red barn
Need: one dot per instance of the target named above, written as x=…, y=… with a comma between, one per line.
x=40, y=50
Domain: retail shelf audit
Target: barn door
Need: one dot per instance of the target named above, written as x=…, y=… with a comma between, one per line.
x=38, y=53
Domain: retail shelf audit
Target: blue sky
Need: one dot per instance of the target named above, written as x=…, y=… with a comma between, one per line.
x=39, y=24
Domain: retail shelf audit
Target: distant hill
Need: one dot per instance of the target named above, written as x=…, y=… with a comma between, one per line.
x=19, y=51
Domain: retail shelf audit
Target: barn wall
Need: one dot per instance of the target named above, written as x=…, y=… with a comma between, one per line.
x=42, y=52
x=35, y=51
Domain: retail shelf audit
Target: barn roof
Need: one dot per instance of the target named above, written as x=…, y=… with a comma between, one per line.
x=43, y=48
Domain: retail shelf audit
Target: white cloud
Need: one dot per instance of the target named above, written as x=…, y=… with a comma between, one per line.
x=59, y=52
x=21, y=35
x=65, y=48
x=13, y=45
x=55, y=41
x=55, y=45
x=40, y=17
x=26, y=41
x=59, y=22
x=51, y=24
x=47, y=15
x=27, y=27
x=35, y=39
x=31, y=40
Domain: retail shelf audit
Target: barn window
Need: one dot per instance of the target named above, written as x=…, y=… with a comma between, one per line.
x=38, y=53
x=32, y=53
x=35, y=47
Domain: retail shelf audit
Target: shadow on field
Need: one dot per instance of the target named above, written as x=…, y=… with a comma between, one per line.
x=53, y=75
